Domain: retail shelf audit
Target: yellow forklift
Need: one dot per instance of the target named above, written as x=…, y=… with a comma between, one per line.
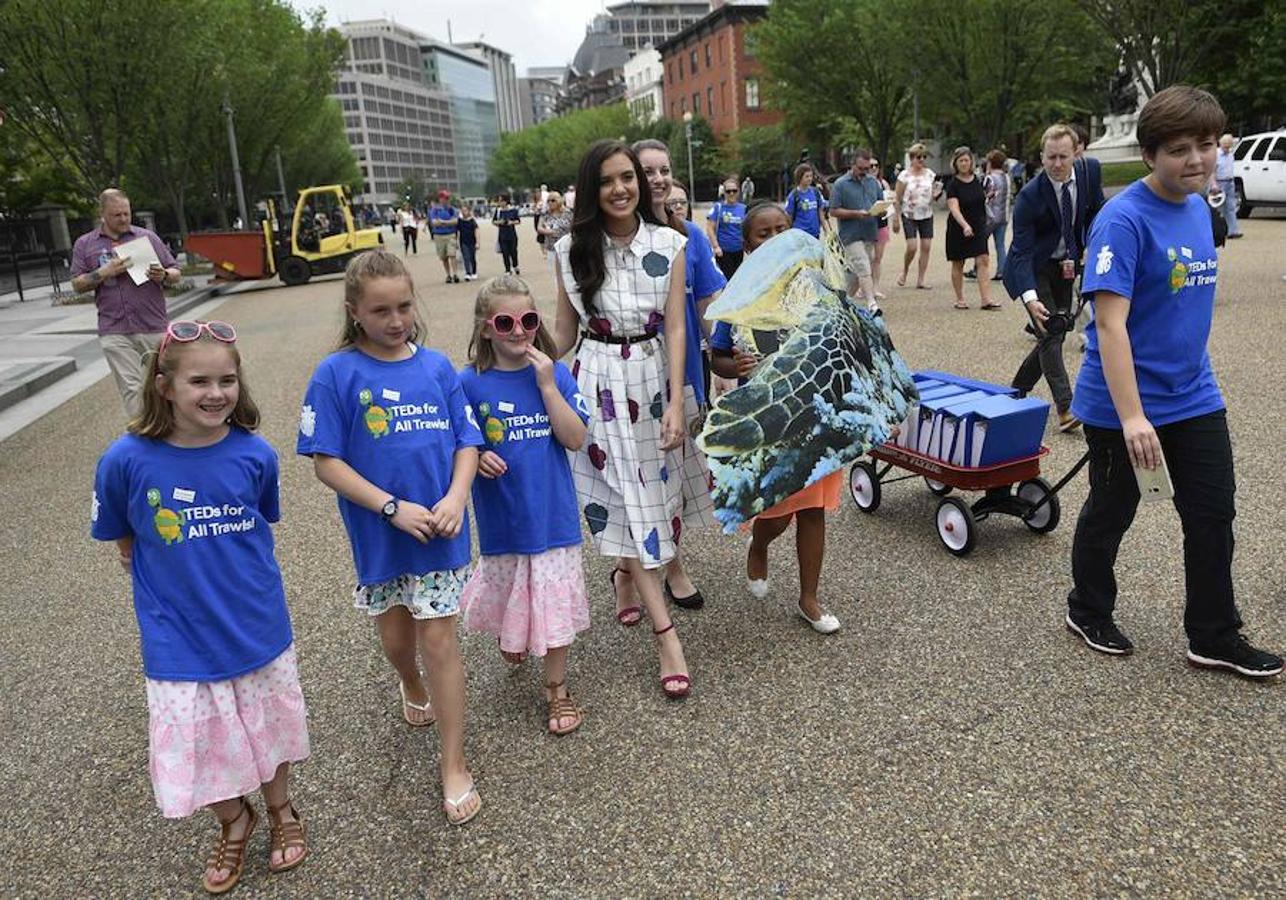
x=318, y=238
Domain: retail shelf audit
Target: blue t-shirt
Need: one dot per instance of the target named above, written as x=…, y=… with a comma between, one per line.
x=207, y=589
x=1161, y=257
x=532, y=507
x=399, y=425
x=728, y=217
x=439, y=214
x=856, y=193
x=804, y=208
x=702, y=278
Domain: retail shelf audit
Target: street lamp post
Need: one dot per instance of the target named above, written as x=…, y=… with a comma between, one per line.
x=236, y=165
x=692, y=178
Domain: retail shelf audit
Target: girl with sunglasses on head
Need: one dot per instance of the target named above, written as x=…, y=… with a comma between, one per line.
x=188, y=495
x=529, y=588
x=390, y=431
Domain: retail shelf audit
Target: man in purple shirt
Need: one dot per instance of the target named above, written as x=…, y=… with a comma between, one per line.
x=131, y=317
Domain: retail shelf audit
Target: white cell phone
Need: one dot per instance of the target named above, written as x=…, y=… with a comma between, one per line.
x=1155, y=484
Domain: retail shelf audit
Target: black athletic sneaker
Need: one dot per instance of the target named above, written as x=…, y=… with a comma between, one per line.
x=1236, y=655
x=1106, y=638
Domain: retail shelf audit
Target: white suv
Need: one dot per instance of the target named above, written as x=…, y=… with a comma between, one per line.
x=1259, y=168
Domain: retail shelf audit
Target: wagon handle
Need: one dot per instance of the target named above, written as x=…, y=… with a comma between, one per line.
x=1062, y=483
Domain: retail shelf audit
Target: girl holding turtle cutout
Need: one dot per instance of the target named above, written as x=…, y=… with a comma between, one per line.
x=389, y=430
x=188, y=496
x=736, y=353
x=529, y=587
x=621, y=304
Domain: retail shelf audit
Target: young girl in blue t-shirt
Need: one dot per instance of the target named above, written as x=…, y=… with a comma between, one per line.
x=529, y=587
x=390, y=431
x=805, y=204
x=188, y=496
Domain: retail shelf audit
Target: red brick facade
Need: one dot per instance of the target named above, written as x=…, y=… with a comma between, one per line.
x=709, y=73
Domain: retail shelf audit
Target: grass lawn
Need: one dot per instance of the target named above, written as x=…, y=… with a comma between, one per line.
x=1122, y=173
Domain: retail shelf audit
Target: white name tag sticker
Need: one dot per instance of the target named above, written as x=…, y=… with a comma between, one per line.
x=183, y=495
x=505, y=406
x=390, y=394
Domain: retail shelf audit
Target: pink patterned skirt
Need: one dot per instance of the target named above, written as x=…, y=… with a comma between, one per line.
x=531, y=603
x=217, y=740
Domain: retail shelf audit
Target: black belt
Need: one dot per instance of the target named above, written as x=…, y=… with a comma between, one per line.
x=613, y=339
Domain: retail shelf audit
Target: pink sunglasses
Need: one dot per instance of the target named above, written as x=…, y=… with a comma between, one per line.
x=503, y=323
x=185, y=332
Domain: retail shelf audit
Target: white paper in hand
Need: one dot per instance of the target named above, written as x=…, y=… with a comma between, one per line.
x=879, y=207
x=141, y=254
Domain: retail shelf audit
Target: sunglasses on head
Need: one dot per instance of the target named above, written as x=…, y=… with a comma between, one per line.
x=503, y=323
x=185, y=332
x=918, y=156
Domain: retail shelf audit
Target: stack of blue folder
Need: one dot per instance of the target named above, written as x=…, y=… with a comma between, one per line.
x=971, y=423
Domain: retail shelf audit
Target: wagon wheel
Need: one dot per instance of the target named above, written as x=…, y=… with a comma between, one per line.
x=1045, y=519
x=937, y=487
x=956, y=525
x=864, y=485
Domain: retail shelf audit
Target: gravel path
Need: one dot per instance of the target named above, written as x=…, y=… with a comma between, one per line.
x=952, y=739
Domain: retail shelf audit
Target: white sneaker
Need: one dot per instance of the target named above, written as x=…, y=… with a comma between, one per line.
x=758, y=587
x=826, y=624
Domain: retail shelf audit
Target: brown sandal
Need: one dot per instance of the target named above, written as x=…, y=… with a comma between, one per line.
x=563, y=708
x=229, y=854
x=285, y=835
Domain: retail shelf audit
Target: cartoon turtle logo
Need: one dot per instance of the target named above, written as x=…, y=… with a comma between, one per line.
x=376, y=417
x=492, y=428
x=168, y=523
x=1178, y=272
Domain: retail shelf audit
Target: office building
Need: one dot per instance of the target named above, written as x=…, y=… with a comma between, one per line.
x=469, y=81
x=538, y=98
x=711, y=71
x=641, y=22
x=643, y=85
x=505, y=82
x=397, y=125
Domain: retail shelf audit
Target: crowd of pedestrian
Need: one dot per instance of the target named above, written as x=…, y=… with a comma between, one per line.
x=539, y=448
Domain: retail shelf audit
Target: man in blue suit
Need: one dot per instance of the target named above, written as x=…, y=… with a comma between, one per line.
x=1051, y=219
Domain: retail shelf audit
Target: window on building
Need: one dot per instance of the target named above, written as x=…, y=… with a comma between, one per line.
x=752, y=93
x=707, y=54
x=710, y=100
x=692, y=59
x=748, y=43
x=696, y=104
x=683, y=105
x=680, y=68
x=723, y=95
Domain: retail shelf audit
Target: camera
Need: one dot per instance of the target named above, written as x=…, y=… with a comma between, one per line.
x=1061, y=322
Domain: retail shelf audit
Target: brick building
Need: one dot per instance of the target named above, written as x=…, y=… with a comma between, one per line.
x=711, y=72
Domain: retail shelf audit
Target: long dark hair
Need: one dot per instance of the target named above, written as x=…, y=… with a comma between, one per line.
x=586, y=253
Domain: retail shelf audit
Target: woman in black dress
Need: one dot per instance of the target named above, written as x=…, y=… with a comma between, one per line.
x=967, y=228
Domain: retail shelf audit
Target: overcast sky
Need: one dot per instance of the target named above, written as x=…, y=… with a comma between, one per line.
x=535, y=32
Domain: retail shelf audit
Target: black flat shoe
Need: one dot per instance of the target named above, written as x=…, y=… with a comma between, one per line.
x=692, y=601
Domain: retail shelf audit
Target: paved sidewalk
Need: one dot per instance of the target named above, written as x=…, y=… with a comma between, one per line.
x=951, y=740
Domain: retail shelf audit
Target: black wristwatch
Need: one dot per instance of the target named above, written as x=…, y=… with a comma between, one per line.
x=389, y=509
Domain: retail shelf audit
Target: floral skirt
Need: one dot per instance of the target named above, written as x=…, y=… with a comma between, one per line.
x=530, y=602
x=218, y=740
x=433, y=595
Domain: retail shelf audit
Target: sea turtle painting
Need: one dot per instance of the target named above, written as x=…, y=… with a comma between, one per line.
x=833, y=387
x=168, y=523
x=492, y=428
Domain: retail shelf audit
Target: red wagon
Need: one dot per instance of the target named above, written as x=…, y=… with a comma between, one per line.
x=1012, y=488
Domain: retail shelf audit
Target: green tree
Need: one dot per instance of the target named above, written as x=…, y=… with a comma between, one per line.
x=760, y=151
x=840, y=67
x=1252, y=92
x=1001, y=67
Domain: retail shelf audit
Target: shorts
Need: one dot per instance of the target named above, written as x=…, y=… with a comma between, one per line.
x=445, y=245
x=433, y=595
x=922, y=228
x=860, y=254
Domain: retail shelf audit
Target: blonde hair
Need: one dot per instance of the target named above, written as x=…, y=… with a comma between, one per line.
x=1057, y=132
x=916, y=148
x=111, y=195
x=482, y=355
x=366, y=267
x=157, y=418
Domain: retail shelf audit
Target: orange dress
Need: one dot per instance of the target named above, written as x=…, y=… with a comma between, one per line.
x=823, y=494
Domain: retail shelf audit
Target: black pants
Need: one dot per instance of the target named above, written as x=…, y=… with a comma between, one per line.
x=409, y=236
x=730, y=261
x=509, y=252
x=1046, y=357
x=1199, y=457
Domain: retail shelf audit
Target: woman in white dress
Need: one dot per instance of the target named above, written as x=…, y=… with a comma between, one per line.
x=621, y=289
